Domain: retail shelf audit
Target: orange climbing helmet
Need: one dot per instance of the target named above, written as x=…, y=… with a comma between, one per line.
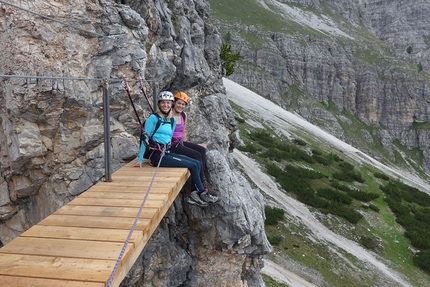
x=181, y=96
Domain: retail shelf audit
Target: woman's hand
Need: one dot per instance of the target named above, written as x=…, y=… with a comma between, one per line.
x=139, y=164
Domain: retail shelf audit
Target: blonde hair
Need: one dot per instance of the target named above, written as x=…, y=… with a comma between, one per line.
x=168, y=116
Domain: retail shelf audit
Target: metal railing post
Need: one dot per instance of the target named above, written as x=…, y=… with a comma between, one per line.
x=106, y=121
x=154, y=98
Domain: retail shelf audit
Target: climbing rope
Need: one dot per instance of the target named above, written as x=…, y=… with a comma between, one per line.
x=121, y=255
x=139, y=82
x=127, y=89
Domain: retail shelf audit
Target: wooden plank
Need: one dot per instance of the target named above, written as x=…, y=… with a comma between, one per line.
x=115, y=202
x=146, y=168
x=137, y=180
x=94, y=222
x=124, y=195
x=143, y=184
x=149, y=174
x=77, y=269
x=66, y=248
x=130, y=212
x=82, y=233
x=154, y=189
x=8, y=281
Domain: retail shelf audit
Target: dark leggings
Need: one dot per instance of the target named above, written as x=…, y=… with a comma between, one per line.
x=192, y=150
x=178, y=160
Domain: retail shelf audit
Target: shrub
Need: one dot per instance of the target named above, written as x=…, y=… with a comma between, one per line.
x=302, y=155
x=274, y=170
x=409, y=49
x=321, y=160
x=240, y=120
x=295, y=153
x=346, y=166
x=381, y=176
x=362, y=195
x=273, y=215
x=396, y=206
x=348, y=176
x=270, y=282
x=296, y=185
x=275, y=154
x=262, y=137
x=334, y=195
x=339, y=186
x=274, y=240
x=373, y=207
x=299, y=142
x=249, y=147
x=423, y=215
x=308, y=197
x=369, y=243
x=422, y=260
x=301, y=172
x=419, y=238
x=335, y=157
x=420, y=67
x=414, y=195
x=349, y=214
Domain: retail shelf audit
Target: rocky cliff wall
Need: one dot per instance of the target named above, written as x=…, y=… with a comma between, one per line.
x=359, y=64
x=51, y=133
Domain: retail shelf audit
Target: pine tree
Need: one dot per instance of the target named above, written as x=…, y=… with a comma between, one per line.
x=228, y=59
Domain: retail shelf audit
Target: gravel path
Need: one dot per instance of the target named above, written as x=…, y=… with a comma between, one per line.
x=283, y=275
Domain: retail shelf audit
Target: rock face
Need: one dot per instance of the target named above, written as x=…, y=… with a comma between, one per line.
x=372, y=63
x=52, y=136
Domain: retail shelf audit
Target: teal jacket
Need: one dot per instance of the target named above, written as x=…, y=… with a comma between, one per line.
x=163, y=134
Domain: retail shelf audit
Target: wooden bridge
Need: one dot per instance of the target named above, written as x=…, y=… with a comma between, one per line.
x=79, y=244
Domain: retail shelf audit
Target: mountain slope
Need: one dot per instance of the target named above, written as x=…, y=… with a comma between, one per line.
x=363, y=267
x=357, y=69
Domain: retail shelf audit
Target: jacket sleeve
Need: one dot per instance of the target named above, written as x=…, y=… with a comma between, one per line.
x=149, y=128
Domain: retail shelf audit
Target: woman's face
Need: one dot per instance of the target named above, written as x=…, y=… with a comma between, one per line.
x=180, y=106
x=165, y=106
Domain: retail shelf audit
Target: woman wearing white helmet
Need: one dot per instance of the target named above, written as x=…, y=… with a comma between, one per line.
x=162, y=137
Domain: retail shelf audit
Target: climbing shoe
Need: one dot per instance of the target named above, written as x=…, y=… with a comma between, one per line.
x=207, y=197
x=196, y=200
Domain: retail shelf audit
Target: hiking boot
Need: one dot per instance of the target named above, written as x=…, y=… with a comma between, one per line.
x=196, y=200
x=207, y=197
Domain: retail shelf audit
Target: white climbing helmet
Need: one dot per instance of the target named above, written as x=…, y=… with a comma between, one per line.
x=166, y=96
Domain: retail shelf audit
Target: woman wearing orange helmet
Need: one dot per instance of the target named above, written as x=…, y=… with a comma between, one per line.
x=180, y=145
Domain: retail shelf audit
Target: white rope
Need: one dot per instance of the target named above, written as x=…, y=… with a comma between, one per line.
x=121, y=255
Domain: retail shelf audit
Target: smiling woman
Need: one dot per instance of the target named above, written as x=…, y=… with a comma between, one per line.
x=180, y=145
x=161, y=154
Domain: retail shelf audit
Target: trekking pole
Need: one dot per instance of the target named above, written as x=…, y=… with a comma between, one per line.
x=127, y=89
x=139, y=82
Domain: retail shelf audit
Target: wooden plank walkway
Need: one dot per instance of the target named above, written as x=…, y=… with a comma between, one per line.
x=79, y=244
